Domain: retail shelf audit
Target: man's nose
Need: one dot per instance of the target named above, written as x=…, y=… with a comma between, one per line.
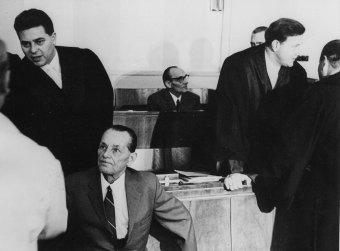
x=34, y=48
x=106, y=153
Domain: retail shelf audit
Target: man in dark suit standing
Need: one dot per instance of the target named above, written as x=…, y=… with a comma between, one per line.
x=245, y=78
x=111, y=207
x=64, y=97
x=176, y=96
x=303, y=180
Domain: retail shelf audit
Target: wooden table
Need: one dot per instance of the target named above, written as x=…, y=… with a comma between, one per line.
x=223, y=220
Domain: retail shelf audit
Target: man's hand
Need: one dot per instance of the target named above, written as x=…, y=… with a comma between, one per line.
x=236, y=181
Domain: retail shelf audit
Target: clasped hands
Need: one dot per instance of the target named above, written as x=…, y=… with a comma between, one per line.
x=236, y=181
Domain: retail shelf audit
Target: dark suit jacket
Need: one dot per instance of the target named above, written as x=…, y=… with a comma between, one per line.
x=303, y=181
x=163, y=102
x=146, y=199
x=243, y=82
x=69, y=121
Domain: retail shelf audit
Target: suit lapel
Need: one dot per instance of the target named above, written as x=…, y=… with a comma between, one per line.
x=72, y=74
x=260, y=64
x=43, y=88
x=95, y=195
x=168, y=100
x=185, y=102
x=133, y=190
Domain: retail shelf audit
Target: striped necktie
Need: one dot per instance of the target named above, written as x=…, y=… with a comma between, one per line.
x=177, y=105
x=109, y=207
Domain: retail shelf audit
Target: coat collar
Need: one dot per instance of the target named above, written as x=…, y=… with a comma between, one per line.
x=332, y=79
x=168, y=99
x=258, y=57
x=95, y=196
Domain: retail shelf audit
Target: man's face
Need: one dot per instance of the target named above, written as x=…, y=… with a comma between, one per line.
x=288, y=50
x=257, y=38
x=179, y=81
x=113, y=154
x=37, y=45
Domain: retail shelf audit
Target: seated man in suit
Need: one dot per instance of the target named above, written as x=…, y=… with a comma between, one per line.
x=176, y=96
x=112, y=206
x=63, y=97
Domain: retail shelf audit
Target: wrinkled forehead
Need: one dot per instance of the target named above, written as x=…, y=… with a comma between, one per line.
x=116, y=138
x=176, y=72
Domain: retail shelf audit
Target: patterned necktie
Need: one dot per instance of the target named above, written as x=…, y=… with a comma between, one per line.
x=177, y=105
x=109, y=207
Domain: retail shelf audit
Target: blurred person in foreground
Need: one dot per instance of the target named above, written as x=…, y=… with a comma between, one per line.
x=32, y=189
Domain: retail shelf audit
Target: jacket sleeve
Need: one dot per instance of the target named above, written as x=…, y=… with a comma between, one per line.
x=100, y=89
x=276, y=185
x=232, y=97
x=172, y=215
x=152, y=104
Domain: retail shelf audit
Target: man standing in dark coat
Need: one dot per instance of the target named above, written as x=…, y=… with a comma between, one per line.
x=64, y=97
x=245, y=78
x=303, y=182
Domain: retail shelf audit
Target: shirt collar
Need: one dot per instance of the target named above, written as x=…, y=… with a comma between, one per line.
x=175, y=98
x=55, y=64
x=271, y=66
x=118, y=183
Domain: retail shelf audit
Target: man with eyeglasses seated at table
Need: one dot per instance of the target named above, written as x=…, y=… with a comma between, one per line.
x=176, y=96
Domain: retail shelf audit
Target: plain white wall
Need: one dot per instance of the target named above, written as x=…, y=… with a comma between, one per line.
x=137, y=39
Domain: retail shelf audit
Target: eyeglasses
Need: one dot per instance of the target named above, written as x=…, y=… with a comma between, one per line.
x=181, y=78
x=114, y=150
x=255, y=44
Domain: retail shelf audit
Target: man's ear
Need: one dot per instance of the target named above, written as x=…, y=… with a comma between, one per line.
x=275, y=45
x=167, y=83
x=54, y=38
x=132, y=157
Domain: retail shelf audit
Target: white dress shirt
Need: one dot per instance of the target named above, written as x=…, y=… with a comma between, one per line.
x=119, y=198
x=272, y=70
x=175, y=98
x=53, y=70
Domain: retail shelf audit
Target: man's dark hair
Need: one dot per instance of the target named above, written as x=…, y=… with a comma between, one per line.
x=166, y=74
x=259, y=29
x=33, y=18
x=4, y=65
x=283, y=28
x=133, y=137
x=332, y=51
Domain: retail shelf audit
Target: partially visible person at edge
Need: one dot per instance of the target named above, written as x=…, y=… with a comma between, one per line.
x=303, y=180
x=32, y=189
